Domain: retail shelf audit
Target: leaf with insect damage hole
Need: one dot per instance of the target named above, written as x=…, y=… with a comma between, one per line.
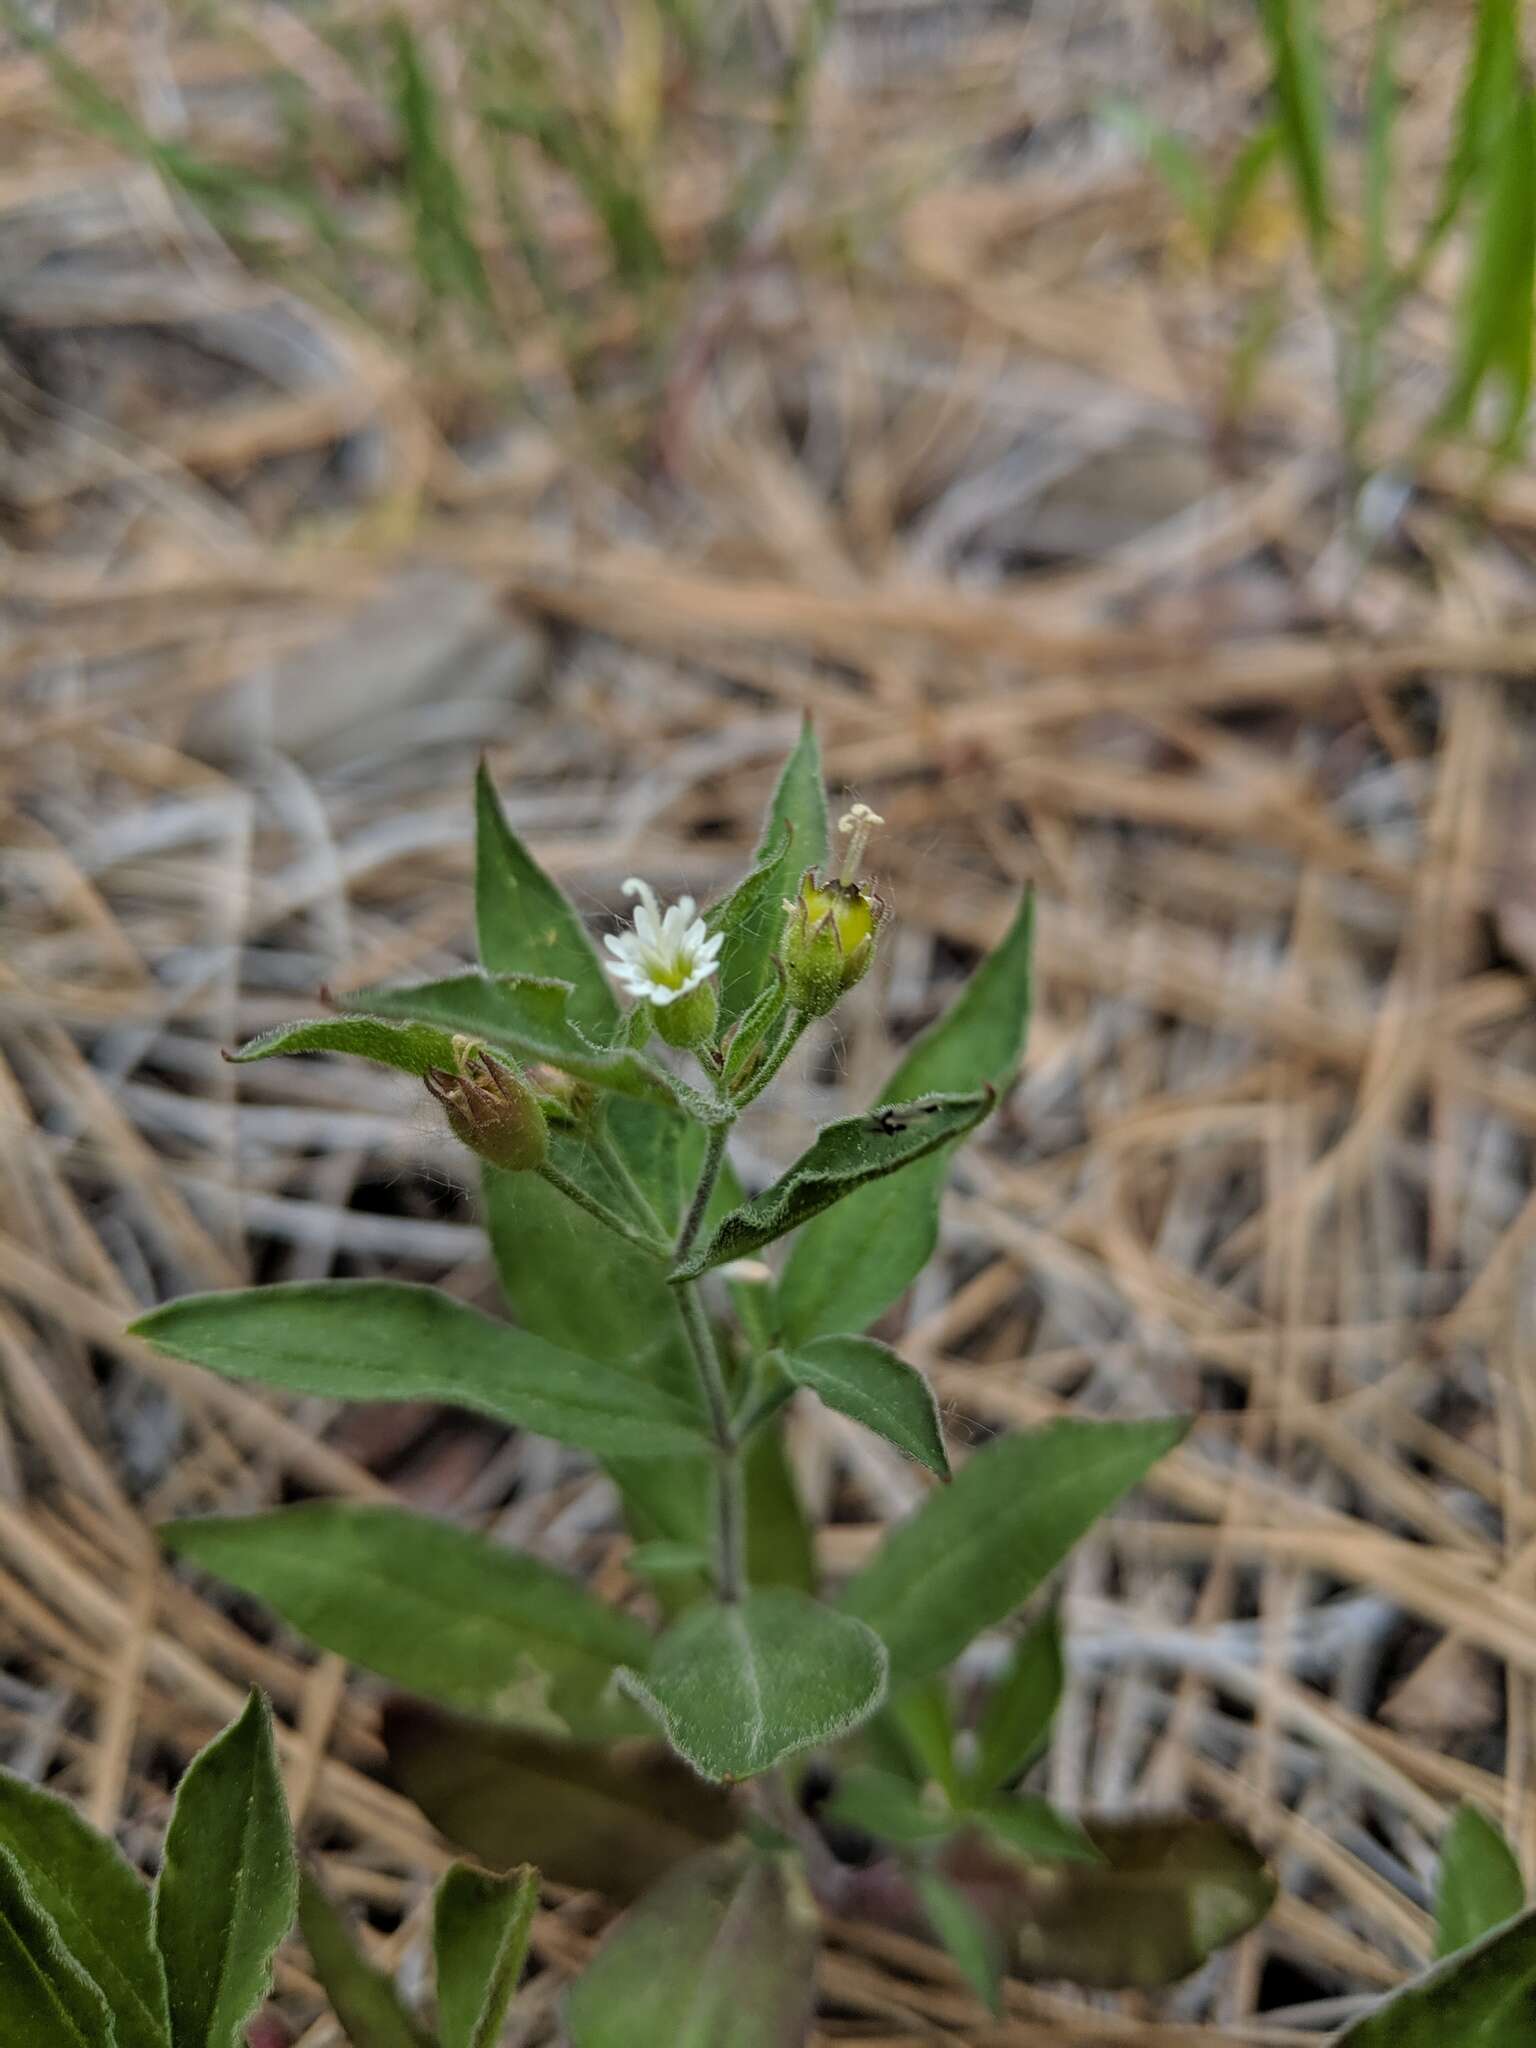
x=846, y=1156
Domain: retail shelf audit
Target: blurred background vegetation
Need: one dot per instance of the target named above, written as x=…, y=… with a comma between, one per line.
x=1109, y=419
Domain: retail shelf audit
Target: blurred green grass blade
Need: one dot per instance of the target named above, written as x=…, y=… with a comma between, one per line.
x=1491, y=80
x=446, y=251
x=1175, y=163
x=1376, y=281
x=1237, y=190
x=1495, y=312
x=1301, y=103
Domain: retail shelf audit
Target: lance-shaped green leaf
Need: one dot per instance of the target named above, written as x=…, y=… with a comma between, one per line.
x=850, y=1264
x=738, y=1687
x=47, y=2000
x=1480, y=1884
x=846, y=1156
x=601, y=1817
x=486, y=1629
x=799, y=803
x=1020, y=1707
x=868, y=1382
x=1033, y=1829
x=524, y=923
x=723, y=1951
x=972, y=1946
x=889, y=1808
x=1481, y=1997
x=380, y=1340
x=480, y=1929
x=228, y=1884
x=528, y=1017
x=1301, y=105
x=96, y=1901
x=1164, y=1896
x=363, y=1997
x=411, y=1048
x=978, y=1548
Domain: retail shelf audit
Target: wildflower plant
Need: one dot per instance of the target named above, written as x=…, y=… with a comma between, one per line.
x=736, y=1741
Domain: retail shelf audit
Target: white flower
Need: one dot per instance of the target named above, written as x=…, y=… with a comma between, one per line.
x=664, y=957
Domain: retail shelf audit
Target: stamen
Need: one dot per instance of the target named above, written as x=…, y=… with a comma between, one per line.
x=858, y=823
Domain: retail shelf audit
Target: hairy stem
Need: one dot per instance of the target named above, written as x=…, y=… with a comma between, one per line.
x=730, y=1484
x=789, y=1038
x=653, y=1246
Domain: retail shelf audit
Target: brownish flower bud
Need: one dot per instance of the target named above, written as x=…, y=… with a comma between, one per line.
x=491, y=1109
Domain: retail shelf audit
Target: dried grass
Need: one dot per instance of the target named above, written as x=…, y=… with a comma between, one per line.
x=1272, y=1158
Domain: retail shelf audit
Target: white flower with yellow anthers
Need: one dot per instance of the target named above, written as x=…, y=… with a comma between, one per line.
x=666, y=959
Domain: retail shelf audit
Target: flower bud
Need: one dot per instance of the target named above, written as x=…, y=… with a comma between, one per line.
x=564, y=1099
x=689, y=1022
x=831, y=927
x=491, y=1109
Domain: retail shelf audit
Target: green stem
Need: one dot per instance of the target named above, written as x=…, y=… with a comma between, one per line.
x=654, y=1247
x=730, y=1484
x=789, y=1038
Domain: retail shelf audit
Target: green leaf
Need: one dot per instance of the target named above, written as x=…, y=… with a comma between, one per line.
x=977, y=1549
x=970, y=1943
x=848, y=1266
x=781, y=1550
x=868, y=1382
x=761, y=886
x=525, y=925
x=1495, y=310
x=1301, y=103
x=1021, y=1707
x=447, y=253
x=1241, y=183
x=889, y=1808
x=96, y=1901
x=48, y=2000
x=228, y=1884
x=527, y=1017
x=1033, y=1829
x=846, y=1156
x=1481, y=1997
x=1480, y=1883
x=486, y=1629
x=1174, y=161
x=1492, y=75
x=924, y=1725
x=480, y=1929
x=738, y=1687
x=600, y=1817
x=1165, y=1895
x=362, y=1996
x=800, y=803
x=724, y=1951
x=411, y=1048
x=383, y=1340
x=547, y=1250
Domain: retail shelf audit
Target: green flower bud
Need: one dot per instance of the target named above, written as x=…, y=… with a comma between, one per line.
x=564, y=1099
x=831, y=927
x=491, y=1109
x=689, y=1022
